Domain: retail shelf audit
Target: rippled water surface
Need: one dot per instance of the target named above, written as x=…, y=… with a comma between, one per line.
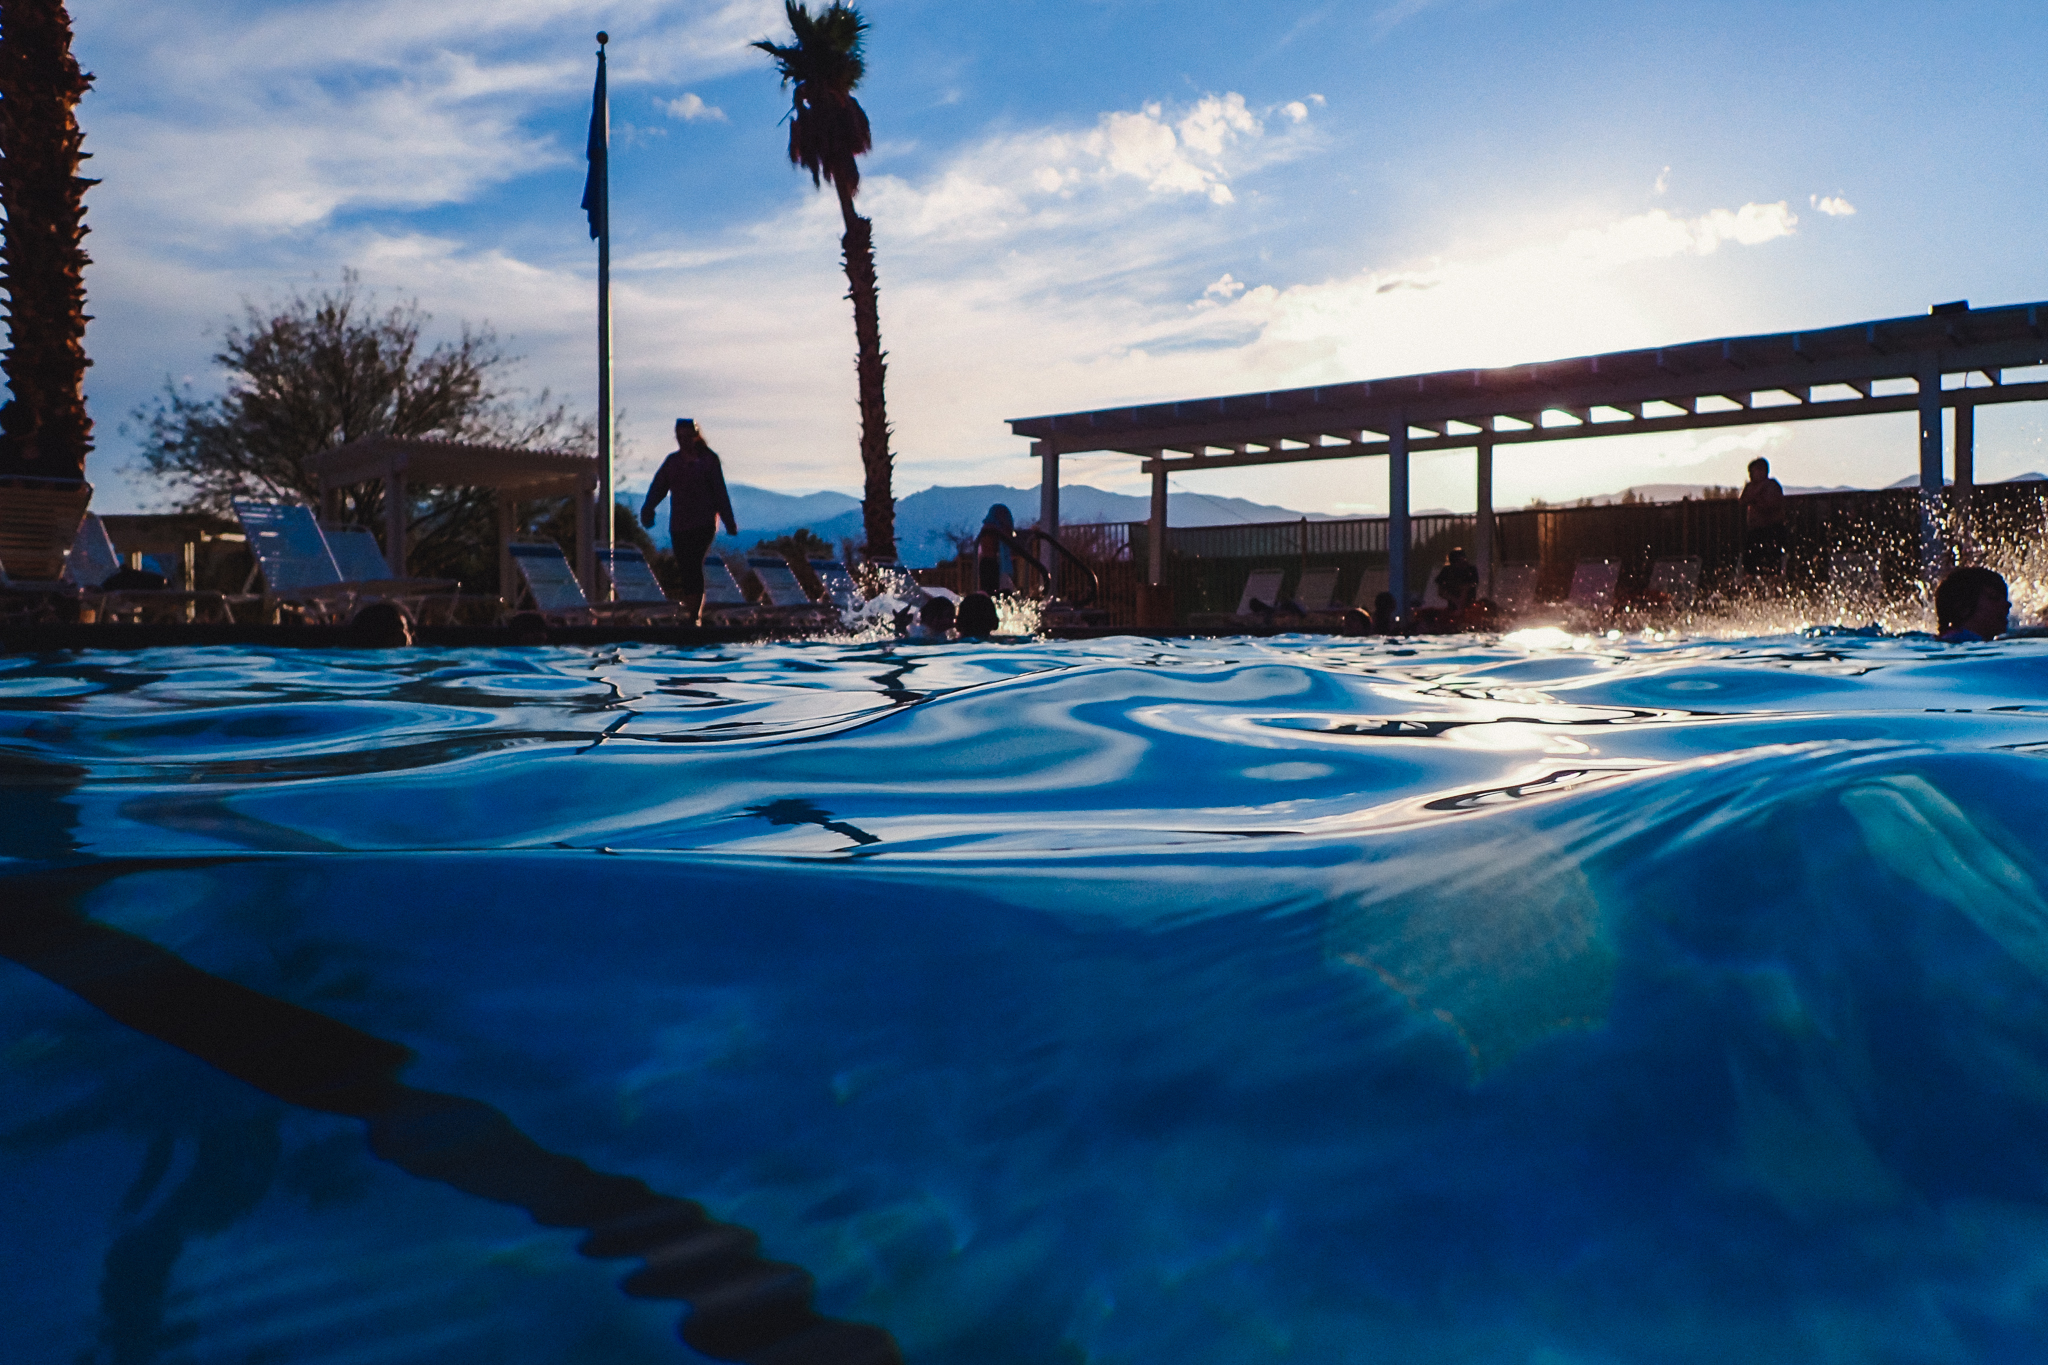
x=1538, y=1000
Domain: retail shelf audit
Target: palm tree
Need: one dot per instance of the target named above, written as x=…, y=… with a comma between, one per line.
x=827, y=130
x=44, y=429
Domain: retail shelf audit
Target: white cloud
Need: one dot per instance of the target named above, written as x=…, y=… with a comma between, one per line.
x=1663, y=181
x=1225, y=288
x=1295, y=110
x=691, y=108
x=1834, y=206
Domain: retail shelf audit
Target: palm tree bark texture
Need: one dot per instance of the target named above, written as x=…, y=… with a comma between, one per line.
x=44, y=429
x=827, y=130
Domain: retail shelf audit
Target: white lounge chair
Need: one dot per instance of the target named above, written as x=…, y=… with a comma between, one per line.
x=293, y=559
x=1514, y=587
x=635, y=590
x=551, y=583
x=93, y=558
x=782, y=595
x=366, y=574
x=1261, y=594
x=840, y=589
x=1593, y=584
x=723, y=599
x=1317, y=591
x=1677, y=578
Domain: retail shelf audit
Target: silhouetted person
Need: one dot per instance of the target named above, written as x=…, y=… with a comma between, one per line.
x=978, y=619
x=1763, y=519
x=694, y=482
x=934, y=619
x=1458, y=580
x=1971, y=605
x=1384, y=616
x=997, y=568
x=1355, y=621
x=135, y=580
x=381, y=625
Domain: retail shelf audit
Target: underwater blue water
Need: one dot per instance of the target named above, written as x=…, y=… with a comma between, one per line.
x=1540, y=1000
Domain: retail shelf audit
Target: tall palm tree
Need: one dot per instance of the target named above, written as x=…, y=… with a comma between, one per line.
x=827, y=130
x=44, y=429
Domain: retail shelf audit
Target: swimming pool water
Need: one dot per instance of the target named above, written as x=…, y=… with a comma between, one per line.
x=1537, y=1000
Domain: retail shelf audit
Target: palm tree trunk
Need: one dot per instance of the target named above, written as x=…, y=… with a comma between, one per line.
x=878, y=505
x=44, y=429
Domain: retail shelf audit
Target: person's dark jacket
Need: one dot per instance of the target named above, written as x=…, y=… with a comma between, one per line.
x=697, y=485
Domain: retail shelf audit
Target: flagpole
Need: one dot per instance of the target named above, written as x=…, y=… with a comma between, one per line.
x=607, y=514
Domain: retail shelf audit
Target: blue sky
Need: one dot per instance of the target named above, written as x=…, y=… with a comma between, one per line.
x=1079, y=203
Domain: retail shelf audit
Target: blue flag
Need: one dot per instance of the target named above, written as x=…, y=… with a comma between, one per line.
x=596, y=190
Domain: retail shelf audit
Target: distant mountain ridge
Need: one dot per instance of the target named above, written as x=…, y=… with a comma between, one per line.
x=931, y=523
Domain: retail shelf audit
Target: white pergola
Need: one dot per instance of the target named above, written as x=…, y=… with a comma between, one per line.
x=513, y=474
x=1953, y=357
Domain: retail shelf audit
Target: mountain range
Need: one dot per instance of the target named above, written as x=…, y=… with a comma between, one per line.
x=931, y=524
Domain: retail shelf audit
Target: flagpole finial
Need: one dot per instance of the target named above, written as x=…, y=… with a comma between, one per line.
x=603, y=37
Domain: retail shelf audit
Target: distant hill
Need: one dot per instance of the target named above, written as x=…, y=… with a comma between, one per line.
x=931, y=523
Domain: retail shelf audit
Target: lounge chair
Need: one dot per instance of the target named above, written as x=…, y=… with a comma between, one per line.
x=1255, y=604
x=552, y=584
x=93, y=560
x=723, y=600
x=635, y=591
x=294, y=560
x=364, y=570
x=840, y=589
x=1593, y=583
x=1676, y=580
x=1316, y=594
x=1514, y=587
x=781, y=594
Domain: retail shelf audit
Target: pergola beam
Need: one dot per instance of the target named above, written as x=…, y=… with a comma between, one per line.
x=1740, y=417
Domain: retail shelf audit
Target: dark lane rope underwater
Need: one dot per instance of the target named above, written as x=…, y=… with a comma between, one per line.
x=743, y=1307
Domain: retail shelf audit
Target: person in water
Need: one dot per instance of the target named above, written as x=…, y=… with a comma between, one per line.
x=997, y=568
x=694, y=482
x=1763, y=520
x=978, y=617
x=1458, y=580
x=934, y=619
x=1972, y=604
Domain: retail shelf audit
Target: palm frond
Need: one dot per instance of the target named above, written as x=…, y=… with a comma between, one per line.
x=821, y=67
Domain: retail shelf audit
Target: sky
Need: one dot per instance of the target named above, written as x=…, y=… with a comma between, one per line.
x=1077, y=203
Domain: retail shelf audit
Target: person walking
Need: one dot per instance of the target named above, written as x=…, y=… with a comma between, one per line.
x=694, y=482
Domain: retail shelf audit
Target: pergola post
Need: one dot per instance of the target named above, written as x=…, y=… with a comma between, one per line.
x=397, y=515
x=586, y=549
x=1049, y=506
x=508, y=588
x=1965, y=445
x=1929, y=378
x=1397, y=513
x=1155, y=532
x=1483, y=546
